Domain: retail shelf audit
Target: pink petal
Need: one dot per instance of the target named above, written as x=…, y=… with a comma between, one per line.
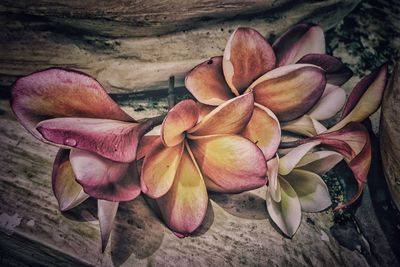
x=115, y=140
x=353, y=142
x=373, y=83
x=59, y=92
x=106, y=213
x=67, y=191
x=232, y=163
x=102, y=178
x=336, y=72
x=290, y=91
x=184, y=206
x=330, y=103
x=207, y=83
x=159, y=168
x=297, y=42
x=229, y=118
x=263, y=129
x=247, y=56
x=179, y=119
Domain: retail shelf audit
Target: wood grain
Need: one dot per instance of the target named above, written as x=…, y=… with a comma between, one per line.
x=137, y=45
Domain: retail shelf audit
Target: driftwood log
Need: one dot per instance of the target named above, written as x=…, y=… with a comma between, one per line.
x=135, y=45
x=390, y=133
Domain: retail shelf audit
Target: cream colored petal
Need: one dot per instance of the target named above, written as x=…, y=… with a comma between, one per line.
x=286, y=214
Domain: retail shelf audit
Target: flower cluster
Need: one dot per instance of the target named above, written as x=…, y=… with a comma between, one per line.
x=228, y=139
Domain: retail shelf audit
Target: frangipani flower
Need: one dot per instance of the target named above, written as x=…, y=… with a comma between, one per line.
x=98, y=140
x=305, y=44
x=288, y=79
x=248, y=64
x=295, y=185
x=349, y=137
x=191, y=156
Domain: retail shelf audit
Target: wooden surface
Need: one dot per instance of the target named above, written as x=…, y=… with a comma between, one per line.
x=137, y=45
x=236, y=231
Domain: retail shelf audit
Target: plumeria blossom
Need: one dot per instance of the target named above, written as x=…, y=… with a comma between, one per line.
x=289, y=80
x=305, y=44
x=193, y=154
x=295, y=185
x=97, y=139
x=249, y=64
x=349, y=136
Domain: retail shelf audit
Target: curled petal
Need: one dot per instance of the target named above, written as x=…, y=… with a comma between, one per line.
x=102, y=178
x=263, y=129
x=353, y=142
x=115, y=140
x=319, y=162
x=290, y=91
x=228, y=118
x=286, y=214
x=273, y=183
x=184, y=206
x=60, y=92
x=179, y=119
x=67, y=191
x=288, y=162
x=365, y=98
x=247, y=56
x=159, y=168
x=311, y=190
x=304, y=125
x=330, y=103
x=207, y=83
x=359, y=165
x=337, y=73
x=297, y=42
x=231, y=162
x=106, y=213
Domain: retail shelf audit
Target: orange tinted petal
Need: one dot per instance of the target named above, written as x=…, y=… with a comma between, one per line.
x=159, y=168
x=290, y=91
x=67, y=191
x=229, y=118
x=207, y=83
x=232, y=162
x=179, y=119
x=263, y=130
x=184, y=206
x=247, y=56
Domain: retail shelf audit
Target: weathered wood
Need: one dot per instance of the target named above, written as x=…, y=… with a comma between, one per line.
x=390, y=133
x=236, y=231
x=132, y=45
